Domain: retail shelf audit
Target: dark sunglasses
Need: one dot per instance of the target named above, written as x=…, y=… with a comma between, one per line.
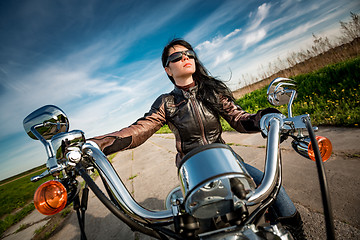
x=177, y=56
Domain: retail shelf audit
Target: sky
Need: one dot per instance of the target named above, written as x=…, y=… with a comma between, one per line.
x=99, y=61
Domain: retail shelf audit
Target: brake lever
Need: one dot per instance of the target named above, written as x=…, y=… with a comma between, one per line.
x=38, y=177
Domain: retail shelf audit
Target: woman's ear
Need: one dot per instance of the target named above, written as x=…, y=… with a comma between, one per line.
x=168, y=71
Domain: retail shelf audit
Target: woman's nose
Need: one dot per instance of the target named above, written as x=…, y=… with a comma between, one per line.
x=185, y=57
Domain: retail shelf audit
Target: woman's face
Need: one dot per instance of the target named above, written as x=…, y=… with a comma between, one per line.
x=183, y=68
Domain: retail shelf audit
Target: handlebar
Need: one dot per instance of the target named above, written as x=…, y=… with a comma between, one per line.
x=272, y=173
x=272, y=126
x=117, y=187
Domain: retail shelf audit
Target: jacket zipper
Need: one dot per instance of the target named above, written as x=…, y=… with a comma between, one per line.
x=202, y=129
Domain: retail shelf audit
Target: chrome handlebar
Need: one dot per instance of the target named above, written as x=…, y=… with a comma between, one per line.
x=273, y=126
x=272, y=171
x=120, y=192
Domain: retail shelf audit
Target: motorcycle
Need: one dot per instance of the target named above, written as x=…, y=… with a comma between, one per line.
x=222, y=193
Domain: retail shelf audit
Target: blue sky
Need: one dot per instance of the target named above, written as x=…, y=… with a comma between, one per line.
x=99, y=61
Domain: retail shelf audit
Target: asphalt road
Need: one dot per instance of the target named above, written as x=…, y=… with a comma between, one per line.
x=150, y=174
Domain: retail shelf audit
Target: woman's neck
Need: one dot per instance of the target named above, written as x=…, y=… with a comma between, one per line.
x=184, y=81
x=187, y=87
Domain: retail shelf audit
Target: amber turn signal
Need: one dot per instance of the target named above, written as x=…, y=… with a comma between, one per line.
x=325, y=148
x=50, y=198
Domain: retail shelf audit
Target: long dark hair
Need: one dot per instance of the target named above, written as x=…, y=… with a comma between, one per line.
x=209, y=88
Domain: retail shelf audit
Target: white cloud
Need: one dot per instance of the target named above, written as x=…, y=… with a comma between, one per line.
x=254, y=37
x=223, y=57
x=217, y=41
x=219, y=50
x=261, y=14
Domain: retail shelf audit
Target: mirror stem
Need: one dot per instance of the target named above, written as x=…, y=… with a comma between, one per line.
x=49, y=150
x=52, y=163
x=293, y=94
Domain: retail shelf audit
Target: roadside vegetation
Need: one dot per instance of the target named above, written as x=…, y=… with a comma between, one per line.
x=330, y=95
x=16, y=196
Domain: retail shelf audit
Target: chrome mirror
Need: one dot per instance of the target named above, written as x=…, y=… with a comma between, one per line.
x=46, y=122
x=282, y=91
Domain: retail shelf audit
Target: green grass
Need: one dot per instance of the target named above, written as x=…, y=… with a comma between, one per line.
x=11, y=219
x=164, y=129
x=330, y=95
x=17, y=195
x=111, y=157
x=334, y=96
x=225, y=126
x=23, y=173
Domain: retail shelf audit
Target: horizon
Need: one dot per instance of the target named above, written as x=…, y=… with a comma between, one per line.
x=100, y=62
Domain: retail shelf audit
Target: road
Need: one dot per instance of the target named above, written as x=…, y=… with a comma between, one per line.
x=150, y=174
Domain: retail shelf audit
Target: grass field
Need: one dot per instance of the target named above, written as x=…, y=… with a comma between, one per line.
x=17, y=194
x=330, y=95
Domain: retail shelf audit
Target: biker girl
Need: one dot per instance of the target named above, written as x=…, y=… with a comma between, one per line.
x=192, y=111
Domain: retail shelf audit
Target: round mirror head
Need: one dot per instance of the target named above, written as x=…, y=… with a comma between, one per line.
x=280, y=91
x=47, y=121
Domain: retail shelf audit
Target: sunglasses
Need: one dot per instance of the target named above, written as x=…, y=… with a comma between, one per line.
x=177, y=56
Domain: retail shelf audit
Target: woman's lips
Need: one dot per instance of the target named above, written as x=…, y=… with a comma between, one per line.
x=187, y=65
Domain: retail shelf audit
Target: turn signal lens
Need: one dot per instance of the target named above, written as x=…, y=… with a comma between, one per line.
x=325, y=148
x=50, y=198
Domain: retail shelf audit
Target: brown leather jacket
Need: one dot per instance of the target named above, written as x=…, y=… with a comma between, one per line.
x=192, y=123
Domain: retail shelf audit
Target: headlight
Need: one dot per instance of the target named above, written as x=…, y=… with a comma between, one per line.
x=205, y=174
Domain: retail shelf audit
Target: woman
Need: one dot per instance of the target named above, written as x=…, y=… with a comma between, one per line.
x=192, y=111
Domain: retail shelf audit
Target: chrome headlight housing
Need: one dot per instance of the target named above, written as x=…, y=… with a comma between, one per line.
x=206, y=175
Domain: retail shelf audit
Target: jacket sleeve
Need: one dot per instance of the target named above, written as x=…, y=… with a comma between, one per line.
x=241, y=120
x=135, y=134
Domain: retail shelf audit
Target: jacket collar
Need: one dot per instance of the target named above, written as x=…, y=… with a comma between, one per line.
x=185, y=94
